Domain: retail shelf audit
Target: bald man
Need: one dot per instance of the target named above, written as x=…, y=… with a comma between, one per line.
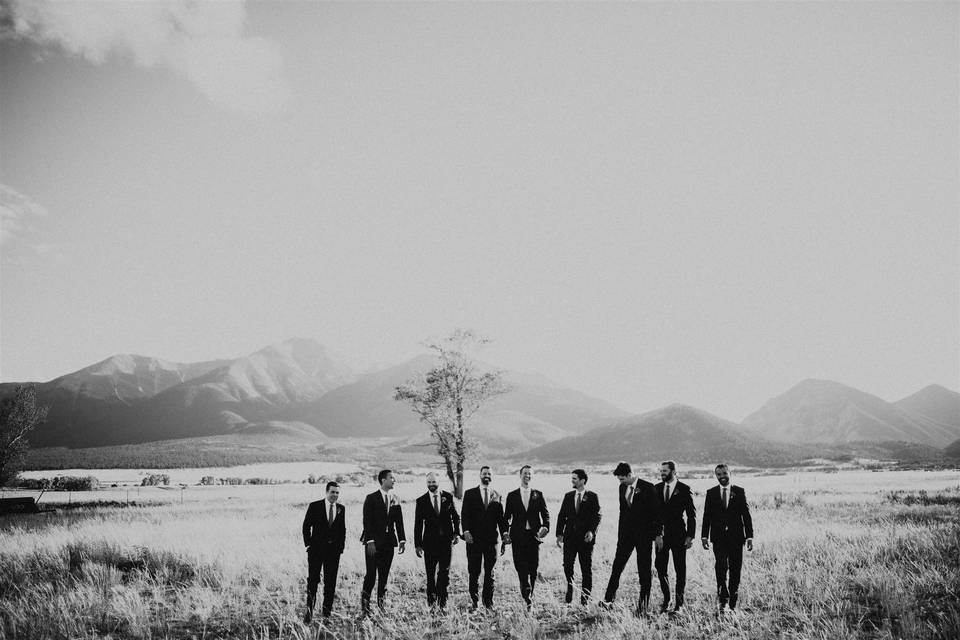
x=436, y=530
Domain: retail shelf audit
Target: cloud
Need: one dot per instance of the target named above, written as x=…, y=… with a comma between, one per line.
x=17, y=214
x=203, y=42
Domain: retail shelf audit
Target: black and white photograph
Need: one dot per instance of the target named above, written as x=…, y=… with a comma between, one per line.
x=487, y=320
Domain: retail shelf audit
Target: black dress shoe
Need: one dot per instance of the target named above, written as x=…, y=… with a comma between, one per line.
x=665, y=606
x=733, y=601
x=569, y=597
x=307, y=617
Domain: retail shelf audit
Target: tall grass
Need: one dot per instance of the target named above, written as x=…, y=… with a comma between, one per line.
x=844, y=568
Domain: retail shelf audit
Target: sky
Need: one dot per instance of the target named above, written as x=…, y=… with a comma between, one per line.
x=649, y=202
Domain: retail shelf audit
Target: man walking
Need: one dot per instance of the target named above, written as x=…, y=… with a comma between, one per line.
x=727, y=522
x=382, y=531
x=675, y=500
x=324, y=536
x=482, y=519
x=577, y=525
x=639, y=526
x=526, y=511
x=436, y=530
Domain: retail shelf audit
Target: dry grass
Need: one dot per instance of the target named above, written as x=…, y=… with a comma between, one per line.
x=828, y=564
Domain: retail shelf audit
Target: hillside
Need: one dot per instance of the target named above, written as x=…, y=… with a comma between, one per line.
x=677, y=432
x=534, y=411
x=823, y=411
x=936, y=403
x=294, y=388
x=128, y=399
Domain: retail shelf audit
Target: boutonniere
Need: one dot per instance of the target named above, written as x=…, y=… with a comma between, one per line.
x=584, y=498
x=494, y=497
x=394, y=502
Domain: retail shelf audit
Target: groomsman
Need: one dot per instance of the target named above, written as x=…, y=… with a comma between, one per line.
x=324, y=536
x=482, y=519
x=577, y=525
x=727, y=521
x=382, y=531
x=674, y=500
x=639, y=526
x=526, y=511
x=436, y=530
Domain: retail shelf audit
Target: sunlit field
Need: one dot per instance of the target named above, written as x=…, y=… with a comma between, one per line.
x=838, y=555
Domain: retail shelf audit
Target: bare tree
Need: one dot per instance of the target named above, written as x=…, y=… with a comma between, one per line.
x=19, y=414
x=448, y=395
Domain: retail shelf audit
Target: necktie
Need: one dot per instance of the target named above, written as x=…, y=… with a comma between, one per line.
x=330, y=517
x=666, y=492
x=630, y=494
x=485, y=498
x=436, y=507
x=724, y=497
x=578, y=503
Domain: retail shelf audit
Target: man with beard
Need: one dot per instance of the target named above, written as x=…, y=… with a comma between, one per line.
x=324, y=536
x=675, y=500
x=382, y=531
x=727, y=522
x=526, y=511
x=482, y=519
x=436, y=530
x=577, y=525
x=639, y=526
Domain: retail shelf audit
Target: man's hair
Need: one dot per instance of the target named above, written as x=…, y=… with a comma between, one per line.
x=526, y=466
x=383, y=474
x=720, y=466
x=484, y=467
x=332, y=484
x=580, y=473
x=669, y=463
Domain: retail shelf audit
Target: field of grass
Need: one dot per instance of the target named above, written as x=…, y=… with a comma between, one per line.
x=838, y=555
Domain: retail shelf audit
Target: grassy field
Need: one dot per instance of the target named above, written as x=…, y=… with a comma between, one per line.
x=838, y=555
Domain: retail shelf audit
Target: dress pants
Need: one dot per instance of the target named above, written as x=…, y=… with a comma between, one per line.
x=321, y=558
x=437, y=562
x=729, y=557
x=485, y=555
x=678, y=549
x=643, y=546
x=378, y=569
x=526, y=560
x=571, y=551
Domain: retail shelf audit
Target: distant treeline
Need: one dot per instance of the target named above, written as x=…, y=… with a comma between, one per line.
x=158, y=455
x=59, y=483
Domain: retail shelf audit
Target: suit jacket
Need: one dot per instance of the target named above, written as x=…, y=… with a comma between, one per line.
x=433, y=530
x=732, y=525
x=572, y=525
x=535, y=515
x=318, y=533
x=673, y=510
x=640, y=519
x=384, y=527
x=484, y=524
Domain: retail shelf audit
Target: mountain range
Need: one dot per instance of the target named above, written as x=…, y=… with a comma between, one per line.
x=300, y=390
x=296, y=388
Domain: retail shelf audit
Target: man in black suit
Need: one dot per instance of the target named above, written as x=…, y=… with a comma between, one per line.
x=727, y=522
x=577, y=533
x=436, y=530
x=526, y=511
x=675, y=500
x=639, y=526
x=482, y=519
x=382, y=531
x=324, y=536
